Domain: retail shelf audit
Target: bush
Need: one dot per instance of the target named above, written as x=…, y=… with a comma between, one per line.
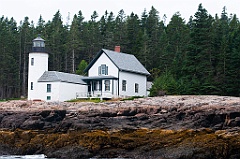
x=166, y=84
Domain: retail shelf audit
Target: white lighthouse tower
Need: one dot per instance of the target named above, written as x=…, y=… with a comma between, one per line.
x=38, y=64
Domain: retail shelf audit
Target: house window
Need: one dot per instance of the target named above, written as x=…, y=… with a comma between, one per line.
x=32, y=61
x=48, y=97
x=124, y=85
x=136, y=87
x=103, y=70
x=31, y=85
x=49, y=87
x=97, y=85
x=107, y=85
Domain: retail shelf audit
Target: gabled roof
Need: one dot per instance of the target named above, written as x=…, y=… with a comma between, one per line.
x=123, y=61
x=54, y=76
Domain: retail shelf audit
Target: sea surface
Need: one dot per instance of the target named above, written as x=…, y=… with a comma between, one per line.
x=40, y=156
x=36, y=157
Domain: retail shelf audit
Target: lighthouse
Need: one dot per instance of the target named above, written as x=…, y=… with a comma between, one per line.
x=38, y=64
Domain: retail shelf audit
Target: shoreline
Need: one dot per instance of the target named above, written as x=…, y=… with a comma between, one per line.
x=161, y=127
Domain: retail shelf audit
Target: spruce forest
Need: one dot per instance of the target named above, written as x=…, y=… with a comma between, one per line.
x=200, y=55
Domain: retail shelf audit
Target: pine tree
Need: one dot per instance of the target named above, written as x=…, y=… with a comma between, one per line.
x=40, y=28
x=120, y=30
x=221, y=52
x=81, y=66
x=199, y=63
x=134, y=36
x=91, y=37
x=26, y=35
x=178, y=39
x=57, y=39
x=153, y=37
x=74, y=44
x=9, y=79
x=233, y=61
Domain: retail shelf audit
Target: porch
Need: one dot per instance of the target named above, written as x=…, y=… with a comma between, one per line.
x=100, y=87
x=105, y=95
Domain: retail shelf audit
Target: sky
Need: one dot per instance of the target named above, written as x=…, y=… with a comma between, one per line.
x=18, y=9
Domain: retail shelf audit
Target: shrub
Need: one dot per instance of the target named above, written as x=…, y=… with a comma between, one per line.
x=166, y=84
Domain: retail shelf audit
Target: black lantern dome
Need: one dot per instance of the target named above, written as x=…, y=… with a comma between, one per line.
x=38, y=45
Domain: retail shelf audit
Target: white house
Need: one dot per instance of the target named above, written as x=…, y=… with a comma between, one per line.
x=115, y=74
x=111, y=74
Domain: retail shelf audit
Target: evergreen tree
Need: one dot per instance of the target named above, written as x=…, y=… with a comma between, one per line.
x=26, y=37
x=91, y=37
x=153, y=37
x=74, y=44
x=221, y=52
x=40, y=28
x=134, y=36
x=81, y=66
x=120, y=30
x=178, y=39
x=9, y=81
x=57, y=39
x=232, y=78
x=199, y=63
x=200, y=57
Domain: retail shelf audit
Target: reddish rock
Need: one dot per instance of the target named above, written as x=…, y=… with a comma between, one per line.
x=195, y=113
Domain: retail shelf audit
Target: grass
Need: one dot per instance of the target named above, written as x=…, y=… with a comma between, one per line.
x=132, y=98
x=8, y=99
x=95, y=100
x=98, y=100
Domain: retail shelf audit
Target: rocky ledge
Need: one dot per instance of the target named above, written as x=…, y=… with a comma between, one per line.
x=168, y=127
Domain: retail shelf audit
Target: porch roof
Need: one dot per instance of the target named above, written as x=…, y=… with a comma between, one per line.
x=93, y=78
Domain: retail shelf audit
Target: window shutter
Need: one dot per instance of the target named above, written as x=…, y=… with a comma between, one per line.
x=99, y=70
x=106, y=70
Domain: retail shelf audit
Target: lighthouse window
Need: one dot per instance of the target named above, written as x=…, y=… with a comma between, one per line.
x=32, y=61
x=42, y=44
x=48, y=87
x=31, y=85
x=36, y=44
x=48, y=97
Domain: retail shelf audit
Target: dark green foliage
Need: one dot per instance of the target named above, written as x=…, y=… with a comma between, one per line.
x=166, y=84
x=9, y=46
x=201, y=56
x=80, y=69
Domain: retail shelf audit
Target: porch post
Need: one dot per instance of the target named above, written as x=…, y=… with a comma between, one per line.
x=92, y=88
x=102, y=87
x=112, y=87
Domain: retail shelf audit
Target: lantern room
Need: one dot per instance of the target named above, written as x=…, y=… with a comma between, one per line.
x=38, y=45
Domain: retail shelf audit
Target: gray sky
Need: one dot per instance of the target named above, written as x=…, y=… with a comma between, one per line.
x=18, y=9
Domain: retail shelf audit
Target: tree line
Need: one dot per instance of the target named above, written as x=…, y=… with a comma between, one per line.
x=198, y=56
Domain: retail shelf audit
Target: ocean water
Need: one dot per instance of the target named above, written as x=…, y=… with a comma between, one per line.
x=37, y=157
x=23, y=157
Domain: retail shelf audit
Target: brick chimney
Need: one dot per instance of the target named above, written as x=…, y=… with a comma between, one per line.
x=117, y=48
